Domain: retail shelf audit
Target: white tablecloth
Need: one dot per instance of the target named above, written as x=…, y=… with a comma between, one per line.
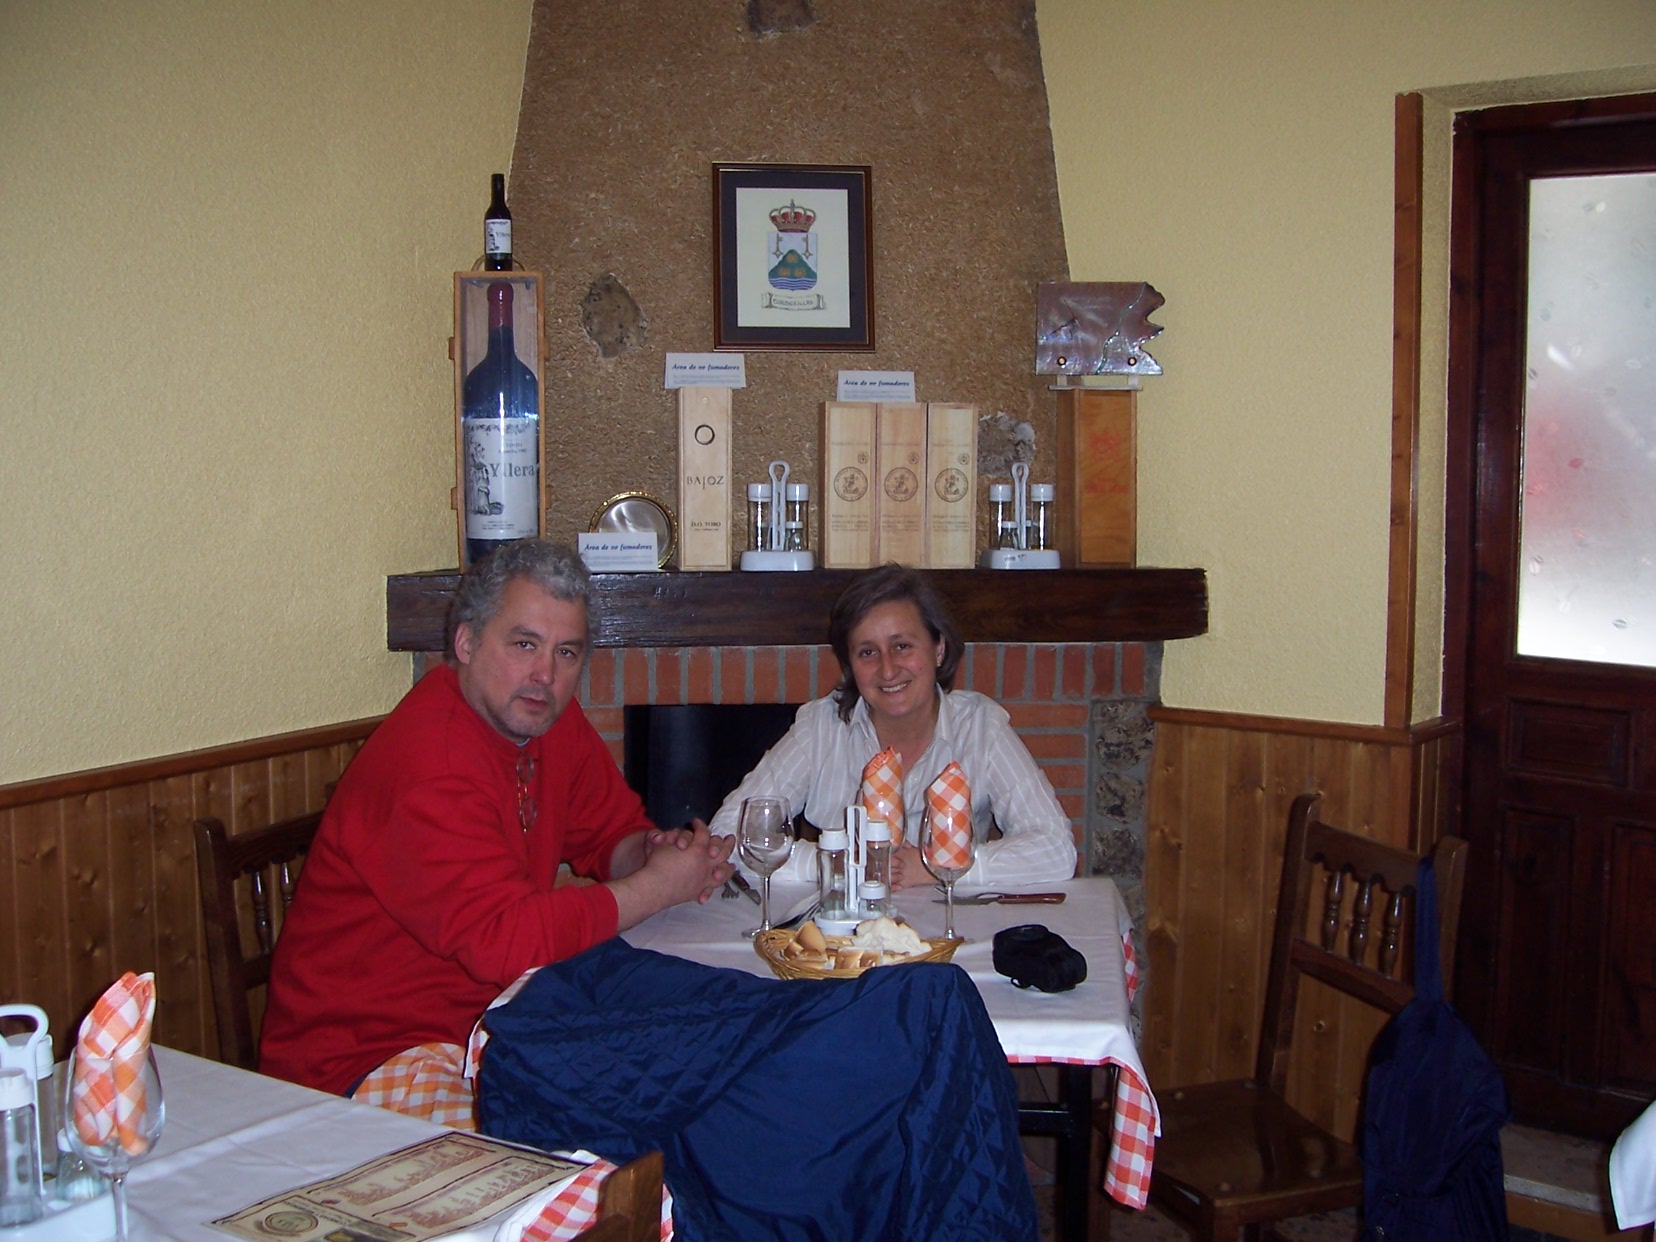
x=1087, y=1025
x=1633, y=1172
x=232, y=1138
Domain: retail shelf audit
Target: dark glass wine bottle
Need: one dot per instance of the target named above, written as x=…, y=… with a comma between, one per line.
x=500, y=436
x=497, y=228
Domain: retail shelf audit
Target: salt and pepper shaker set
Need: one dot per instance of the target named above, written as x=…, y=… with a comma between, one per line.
x=29, y=1131
x=1024, y=533
x=778, y=523
x=853, y=872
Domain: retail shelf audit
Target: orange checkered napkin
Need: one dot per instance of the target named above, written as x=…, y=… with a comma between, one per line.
x=949, y=814
x=107, y=1095
x=427, y=1081
x=882, y=791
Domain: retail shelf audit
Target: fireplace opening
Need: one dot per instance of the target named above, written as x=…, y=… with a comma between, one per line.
x=683, y=758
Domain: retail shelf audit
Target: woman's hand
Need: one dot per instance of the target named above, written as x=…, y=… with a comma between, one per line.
x=907, y=869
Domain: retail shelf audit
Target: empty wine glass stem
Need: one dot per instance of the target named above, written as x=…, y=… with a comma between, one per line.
x=764, y=902
x=117, y=1186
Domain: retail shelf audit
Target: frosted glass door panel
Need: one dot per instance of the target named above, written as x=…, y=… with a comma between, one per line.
x=1587, y=580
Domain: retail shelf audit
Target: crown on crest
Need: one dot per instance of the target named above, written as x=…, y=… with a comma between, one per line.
x=793, y=218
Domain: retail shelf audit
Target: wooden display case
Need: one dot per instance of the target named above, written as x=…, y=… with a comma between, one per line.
x=487, y=477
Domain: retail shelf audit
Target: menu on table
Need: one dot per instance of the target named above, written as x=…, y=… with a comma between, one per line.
x=446, y=1183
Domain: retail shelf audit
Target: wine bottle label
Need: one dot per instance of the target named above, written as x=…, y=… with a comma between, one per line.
x=502, y=478
x=497, y=237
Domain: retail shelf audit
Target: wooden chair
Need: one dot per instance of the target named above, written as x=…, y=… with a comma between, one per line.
x=1235, y=1155
x=629, y=1203
x=266, y=857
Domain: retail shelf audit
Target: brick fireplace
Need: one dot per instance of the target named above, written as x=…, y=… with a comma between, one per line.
x=1074, y=657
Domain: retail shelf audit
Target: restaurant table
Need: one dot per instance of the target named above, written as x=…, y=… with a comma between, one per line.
x=233, y=1138
x=1076, y=1030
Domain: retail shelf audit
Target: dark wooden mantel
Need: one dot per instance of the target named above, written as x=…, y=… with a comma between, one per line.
x=791, y=609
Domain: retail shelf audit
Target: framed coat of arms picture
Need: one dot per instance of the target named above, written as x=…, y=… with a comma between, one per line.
x=792, y=257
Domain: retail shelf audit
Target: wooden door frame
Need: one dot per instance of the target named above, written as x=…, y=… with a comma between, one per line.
x=1460, y=456
x=1408, y=163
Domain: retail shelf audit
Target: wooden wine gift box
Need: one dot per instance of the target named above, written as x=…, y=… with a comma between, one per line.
x=951, y=485
x=849, y=512
x=1097, y=477
x=704, y=478
x=467, y=348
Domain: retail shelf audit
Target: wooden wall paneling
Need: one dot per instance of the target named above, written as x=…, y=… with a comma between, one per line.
x=181, y=1020
x=1220, y=788
x=97, y=871
x=1201, y=985
x=43, y=963
x=1247, y=905
x=132, y=928
x=250, y=795
x=286, y=777
x=323, y=767
x=89, y=914
x=1163, y=892
x=1317, y=1038
x=11, y=923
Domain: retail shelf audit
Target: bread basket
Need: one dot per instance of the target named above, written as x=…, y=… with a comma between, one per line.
x=769, y=945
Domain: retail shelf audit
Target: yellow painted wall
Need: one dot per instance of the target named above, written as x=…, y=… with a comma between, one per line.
x=226, y=239
x=1239, y=157
x=227, y=233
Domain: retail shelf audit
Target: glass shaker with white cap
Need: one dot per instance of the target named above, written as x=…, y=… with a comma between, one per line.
x=796, y=522
x=21, y=1200
x=833, y=875
x=1040, y=530
x=759, y=516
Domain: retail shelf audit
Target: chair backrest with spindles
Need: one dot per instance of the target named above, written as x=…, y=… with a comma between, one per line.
x=1336, y=882
x=269, y=860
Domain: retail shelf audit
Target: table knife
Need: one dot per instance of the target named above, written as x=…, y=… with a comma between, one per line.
x=740, y=881
x=1007, y=899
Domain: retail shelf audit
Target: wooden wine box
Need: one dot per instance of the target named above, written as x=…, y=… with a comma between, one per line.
x=704, y=478
x=951, y=485
x=849, y=509
x=1097, y=477
x=900, y=466
x=488, y=478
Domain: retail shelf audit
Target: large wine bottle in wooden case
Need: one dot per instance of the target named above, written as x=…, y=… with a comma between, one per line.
x=499, y=451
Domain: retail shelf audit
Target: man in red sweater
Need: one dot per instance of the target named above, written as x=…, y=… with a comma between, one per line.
x=430, y=885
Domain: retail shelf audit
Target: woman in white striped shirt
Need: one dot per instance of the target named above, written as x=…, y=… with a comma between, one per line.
x=898, y=650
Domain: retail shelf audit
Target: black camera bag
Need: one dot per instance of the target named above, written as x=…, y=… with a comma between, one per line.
x=1033, y=957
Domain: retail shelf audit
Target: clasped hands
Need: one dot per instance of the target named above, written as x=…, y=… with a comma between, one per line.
x=691, y=854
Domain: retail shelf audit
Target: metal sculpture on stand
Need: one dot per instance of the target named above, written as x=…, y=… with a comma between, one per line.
x=1086, y=328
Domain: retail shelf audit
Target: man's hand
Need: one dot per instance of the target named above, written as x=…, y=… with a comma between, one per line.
x=684, y=838
x=672, y=866
x=907, y=869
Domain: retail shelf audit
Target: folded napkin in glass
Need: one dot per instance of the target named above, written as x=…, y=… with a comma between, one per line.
x=107, y=1093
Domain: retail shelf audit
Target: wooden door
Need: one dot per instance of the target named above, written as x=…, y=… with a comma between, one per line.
x=1557, y=966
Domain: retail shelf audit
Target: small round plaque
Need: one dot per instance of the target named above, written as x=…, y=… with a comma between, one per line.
x=630, y=513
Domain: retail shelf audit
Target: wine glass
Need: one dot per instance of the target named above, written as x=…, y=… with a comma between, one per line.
x=766, y=839
x=113, y=1137
x=947, y=848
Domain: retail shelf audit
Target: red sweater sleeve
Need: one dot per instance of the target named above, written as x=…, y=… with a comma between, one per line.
x=456, y=870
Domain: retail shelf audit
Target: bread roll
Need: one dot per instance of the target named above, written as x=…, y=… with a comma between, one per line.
x=810, y=935
x=884, y=935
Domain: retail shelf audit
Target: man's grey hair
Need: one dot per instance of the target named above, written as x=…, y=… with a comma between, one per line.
x=550, y=566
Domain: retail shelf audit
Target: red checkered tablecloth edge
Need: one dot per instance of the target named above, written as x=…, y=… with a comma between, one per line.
x=1133, y=1125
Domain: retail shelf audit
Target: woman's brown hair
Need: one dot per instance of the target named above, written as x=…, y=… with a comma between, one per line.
x=890, y=584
